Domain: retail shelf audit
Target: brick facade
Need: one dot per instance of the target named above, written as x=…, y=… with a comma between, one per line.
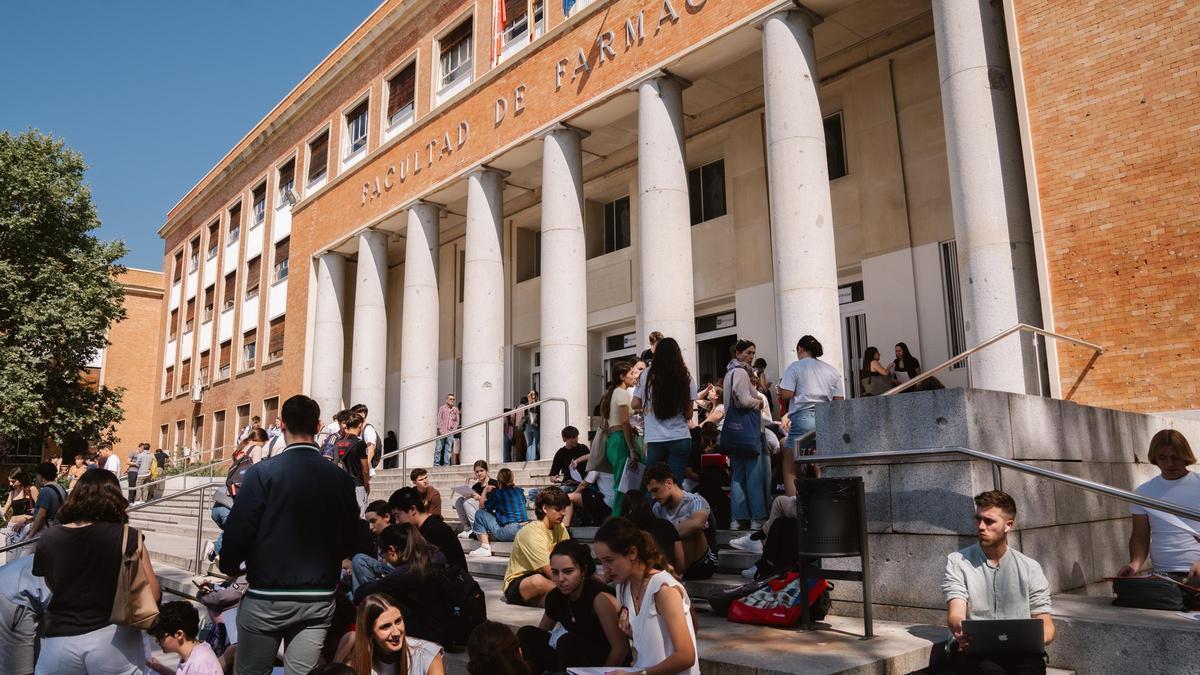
x=1114, y=111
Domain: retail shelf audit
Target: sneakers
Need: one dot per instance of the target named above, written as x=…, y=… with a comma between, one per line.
x=749, y=572
x=735, y=526
x=481, y=552
x=747, y=544
x=210, y=551
x=465, y=534
x=756, y=525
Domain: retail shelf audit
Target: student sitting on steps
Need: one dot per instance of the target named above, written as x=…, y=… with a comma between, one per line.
x=502, y=515
x=527, y=579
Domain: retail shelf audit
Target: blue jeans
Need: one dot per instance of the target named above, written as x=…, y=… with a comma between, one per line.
x=219, y=514
x=443, y=452
x=746, y=496
x=508, y=443
x=531, y=443
x=674, y=453
x=365, y=569
x=486, y=523
x=803, y=421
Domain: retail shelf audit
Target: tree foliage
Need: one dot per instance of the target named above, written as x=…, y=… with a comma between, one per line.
x=59, y=294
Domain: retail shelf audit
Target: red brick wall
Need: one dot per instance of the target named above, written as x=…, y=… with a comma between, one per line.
x=1114, y=109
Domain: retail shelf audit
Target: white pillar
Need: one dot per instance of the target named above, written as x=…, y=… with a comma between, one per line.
x=419, y=348
x=802, y=239
x=482, y=392
x=664, y=216
x=368, y=358
x=563, y=285
x=992, y=226
x=329, y=334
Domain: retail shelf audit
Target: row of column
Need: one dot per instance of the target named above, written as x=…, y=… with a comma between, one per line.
x=994, y=243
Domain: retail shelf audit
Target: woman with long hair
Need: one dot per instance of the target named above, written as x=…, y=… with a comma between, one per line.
x=584, y=607
x=655, y=607
x=22, y=495
x=620, y=444
x=413, y=563
x=874, y=376
x=747, y=487
x=80, y=562
x=492, y=649
x=905, y=366
x=665, y=394
x=382, y=647
x=256, y=443
x=638, y=509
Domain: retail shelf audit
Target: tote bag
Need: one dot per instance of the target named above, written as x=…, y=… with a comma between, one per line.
x=741, y=432
x=134, y=604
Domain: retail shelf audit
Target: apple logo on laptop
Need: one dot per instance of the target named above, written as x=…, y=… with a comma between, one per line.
x=1003, y=637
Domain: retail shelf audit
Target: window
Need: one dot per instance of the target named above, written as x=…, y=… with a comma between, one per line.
x=260, y=203
x=287, y=180
x=616, y=225
x=202, y=376
x=177, y=269
x=194, y=255
x=214, y=233
x=173, y=325
x=356, y=128
x=169, y=382
x=235, y=223
x=516, y=20
x=270, y=410
x=456, y=53
x=218, y=437
x=318, y=157
x=275, y=340
x=281, y=259
x=210, y=298
x=706, y=189
x=223, y=369
x=185, y=376
x=189, y=319
x=253, y=272
x=952, y=292
x=249, y=349
x=402, y=93
x=835, y=147
x=228, y=291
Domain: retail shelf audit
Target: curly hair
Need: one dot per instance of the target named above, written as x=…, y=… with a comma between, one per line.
x=96, y=498
x=668, y=387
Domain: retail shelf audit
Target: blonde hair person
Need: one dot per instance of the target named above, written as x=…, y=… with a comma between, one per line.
x=1171, y=542
x=382, y=647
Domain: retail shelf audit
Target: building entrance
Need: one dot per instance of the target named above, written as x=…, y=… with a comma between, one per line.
x=712, y=356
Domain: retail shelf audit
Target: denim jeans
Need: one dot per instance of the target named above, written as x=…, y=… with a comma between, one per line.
x=486, y=523
x=219, y=514
x=674, y=453
x=365, y=569
x=803, y=421
x=531, y=443
x=466, y=509
x=443, y=452
x=746, y=496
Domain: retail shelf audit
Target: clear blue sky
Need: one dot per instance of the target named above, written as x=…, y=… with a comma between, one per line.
x=155, y=93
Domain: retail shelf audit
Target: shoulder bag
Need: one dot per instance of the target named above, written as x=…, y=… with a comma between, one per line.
x=741, y=432
x=134, y=604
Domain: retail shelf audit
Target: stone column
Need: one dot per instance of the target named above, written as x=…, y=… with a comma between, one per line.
x=563, y=285
x=368, y=359
x=482, y=392
x=329, y=335
x=419, y=396
x=664, y=215
x=802, y=239
x=992, y=226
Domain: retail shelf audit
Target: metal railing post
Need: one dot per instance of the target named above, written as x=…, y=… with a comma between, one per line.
x=199, y=528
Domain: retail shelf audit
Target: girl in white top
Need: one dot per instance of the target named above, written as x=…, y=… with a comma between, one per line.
x=381, y=646
x=655, y=608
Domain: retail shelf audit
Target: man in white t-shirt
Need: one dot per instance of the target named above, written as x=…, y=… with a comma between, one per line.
x=108, y=460
x=1173, y=543
x=807, y=382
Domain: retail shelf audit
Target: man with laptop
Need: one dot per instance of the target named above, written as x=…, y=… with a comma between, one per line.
x=998, y=600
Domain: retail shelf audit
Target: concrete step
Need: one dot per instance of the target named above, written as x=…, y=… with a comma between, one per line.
x=1094, y=636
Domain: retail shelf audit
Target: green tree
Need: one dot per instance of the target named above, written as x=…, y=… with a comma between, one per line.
x=59, y=294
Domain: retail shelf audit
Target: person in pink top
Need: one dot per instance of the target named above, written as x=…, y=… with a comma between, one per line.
x=175, y=630
x=447, y=421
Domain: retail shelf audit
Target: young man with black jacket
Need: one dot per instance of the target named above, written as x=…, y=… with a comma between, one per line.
x=292, y=525
x=408, y=507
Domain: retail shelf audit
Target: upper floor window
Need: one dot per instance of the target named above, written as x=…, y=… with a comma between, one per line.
x=706, y=189
x=173, y=325
x=235, y=223
x=194, y=255
x=210, y=299
x=177, y=268
x=260, y=203
x=318, y=157
x=402, y=93
x=189, y=319
x=287, y=181
x=281, y=259
x=455, y=48
x=253, y=272
x=616, y=225
x=356, y=128
x=249, y=349
x=228, y=290
x=835, y=146
x=516, y=20
x=214, y=230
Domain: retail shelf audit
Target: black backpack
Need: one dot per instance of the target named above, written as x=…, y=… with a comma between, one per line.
x=237, y=473
x=467, y=605
x=378, y=445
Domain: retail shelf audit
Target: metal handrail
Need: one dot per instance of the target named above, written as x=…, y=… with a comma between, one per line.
x=487, y=430
x=1015, y=465
x=1097, y=350
x=187, y=472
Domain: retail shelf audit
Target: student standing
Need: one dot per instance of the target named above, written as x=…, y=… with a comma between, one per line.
x=357, y=461
x=616, y=409
x=532, y=428
x=807, y=382
x=447, y=421
x=747, y=487
x=665, y=394
x=655, y=607
x=293, y=550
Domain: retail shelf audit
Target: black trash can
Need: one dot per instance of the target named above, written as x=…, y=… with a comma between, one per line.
x=829, y=516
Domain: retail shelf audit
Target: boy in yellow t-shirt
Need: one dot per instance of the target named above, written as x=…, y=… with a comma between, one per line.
x=527, y=579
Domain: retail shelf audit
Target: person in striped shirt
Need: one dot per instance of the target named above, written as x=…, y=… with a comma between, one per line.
x=504, y=512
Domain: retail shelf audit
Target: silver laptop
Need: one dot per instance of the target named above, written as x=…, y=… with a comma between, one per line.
x=1001, y=637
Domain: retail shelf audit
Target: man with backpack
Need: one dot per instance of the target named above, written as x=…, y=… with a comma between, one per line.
x=331, y=433
x=51, y=496
x=373, y=439
x=352, y=452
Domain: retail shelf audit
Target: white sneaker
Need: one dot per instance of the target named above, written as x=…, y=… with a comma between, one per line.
x=481, y=552
x=465, y=534
x=735, y=526
x=756, y=525
x=749, y=572
x=210, y=551
x=747, y=544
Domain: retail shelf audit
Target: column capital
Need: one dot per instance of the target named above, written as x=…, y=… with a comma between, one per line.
x=320, y=255
x=794, y=7
x=422, y=202
x=562, y=126
x=659, y=73
x=484, y=168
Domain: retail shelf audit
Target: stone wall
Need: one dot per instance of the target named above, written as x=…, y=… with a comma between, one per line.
x=921, y=510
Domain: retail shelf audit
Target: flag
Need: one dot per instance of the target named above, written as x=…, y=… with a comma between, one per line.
x=498, y=42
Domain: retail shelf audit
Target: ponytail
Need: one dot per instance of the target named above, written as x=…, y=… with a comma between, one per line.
x=620, y=370
x=622, y=536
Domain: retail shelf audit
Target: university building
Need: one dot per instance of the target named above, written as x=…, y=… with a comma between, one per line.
x=488, y=196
